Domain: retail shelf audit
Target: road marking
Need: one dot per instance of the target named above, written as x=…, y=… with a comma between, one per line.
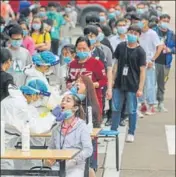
x=170, y=135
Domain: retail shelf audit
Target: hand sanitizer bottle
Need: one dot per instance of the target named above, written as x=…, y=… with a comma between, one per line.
x=26, y=137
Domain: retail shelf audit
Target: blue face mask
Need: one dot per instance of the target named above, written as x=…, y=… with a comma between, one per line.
x=117, y=12
x=25, y=32
x=111, y=15
x=36, y=26
x=140, y=11
x=100, y=37
x=122, y=30
x=67, y=60
x=74, y=91
x=102, y=18
x=42, y=14
x=132, y=38
x=82, y=55
x=68, y=114
x=140, y=25
x=16, y=43
x=81, y=96
x=92, y=41
x=164, y=25
x=1, y=29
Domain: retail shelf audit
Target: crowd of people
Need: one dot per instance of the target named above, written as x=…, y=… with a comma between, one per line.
x=118, y=68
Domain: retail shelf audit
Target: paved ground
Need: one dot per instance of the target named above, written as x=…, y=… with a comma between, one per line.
x=152, y=154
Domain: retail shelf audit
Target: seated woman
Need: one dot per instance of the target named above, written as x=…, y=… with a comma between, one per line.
x=73, y=133
x=40, y=37
x=16, y=109
x=28, y=42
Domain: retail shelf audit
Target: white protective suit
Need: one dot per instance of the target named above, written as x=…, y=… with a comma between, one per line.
x=15, y=111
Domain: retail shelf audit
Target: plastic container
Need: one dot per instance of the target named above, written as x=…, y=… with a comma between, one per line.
x=26, y=137
x=2, y=137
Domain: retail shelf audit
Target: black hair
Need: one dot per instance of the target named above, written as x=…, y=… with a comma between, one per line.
x=43, y=7
x=65, y=15
x=2, y=21
x=120, y=20
x=88, y=18
x=92, y=19
x=130, y=9
x=22, y=22
x=42, y=26
x=135, y=28
x=5, y=55
x=91, y=29
x=34, y=11
x=15, y=29
x=25, y=12
x=135, y=16
x=144, y=16
x=52, y=4
x=127, y=16
x=141, y=3
x=106, y=30
x=112, y=23
x=158, y=6
x=153, y=19
x=83, y=39
x=70, y=47
x=49, y=22
x=165, y=16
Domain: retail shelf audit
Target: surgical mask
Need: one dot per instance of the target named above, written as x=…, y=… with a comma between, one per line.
x=74, y=91
x=140, y=25
x=42, y=14
x=122, y=29
x=132, y=38
x=100, y=37
x=81, y=96
x=1, y=29
x=117, y=12
x=63, y=22
x=82, y=55
x=25, y=32
x=68, y=114
x=36, y=26
x=111, y=15
x=92, y=41
x=67, y=9
x=102, y=18
x=164, y=25
x=16, y=43
x=140, y=11
x=67, y=60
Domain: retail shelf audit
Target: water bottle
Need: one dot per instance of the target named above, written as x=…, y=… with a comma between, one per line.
x=90, y=124
x=26, y=137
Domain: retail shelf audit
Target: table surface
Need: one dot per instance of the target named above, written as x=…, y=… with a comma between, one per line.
x=94, y=133
x=39, y=154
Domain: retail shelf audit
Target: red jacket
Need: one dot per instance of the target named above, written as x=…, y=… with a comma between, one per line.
x=92, y=68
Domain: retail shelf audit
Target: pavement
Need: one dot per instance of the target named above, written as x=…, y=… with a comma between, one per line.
x=153, y=152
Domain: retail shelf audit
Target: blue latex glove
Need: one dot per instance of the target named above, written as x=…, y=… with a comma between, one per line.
x=57, y=112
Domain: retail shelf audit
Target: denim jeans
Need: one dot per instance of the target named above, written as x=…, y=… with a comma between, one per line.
x=149, y=88
x=117, y=103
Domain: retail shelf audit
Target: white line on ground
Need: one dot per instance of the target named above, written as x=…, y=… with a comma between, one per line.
x=170, y=135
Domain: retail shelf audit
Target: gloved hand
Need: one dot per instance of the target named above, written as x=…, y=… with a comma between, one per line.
x=57, y=112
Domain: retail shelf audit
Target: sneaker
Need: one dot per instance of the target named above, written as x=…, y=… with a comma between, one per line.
x=108, y=122
x=161, y=108
x=122, y=123
x=140, y=115
x=130, y=138
x=150, y=111
x=143, y=108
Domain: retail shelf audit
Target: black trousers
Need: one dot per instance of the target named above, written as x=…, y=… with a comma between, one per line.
x=55, y=46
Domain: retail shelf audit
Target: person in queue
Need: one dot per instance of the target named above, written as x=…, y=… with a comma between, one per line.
x=6, y=78
x=129, y=79
x=20, y=56
x=103, y=18
x=87, y=65
x=118, y=11
x=16, y=110
x=40, y=37
x=111, y=14
x=28, y=43
x=150, y=42
x=42, y=13
x=164, y=61
x=73, y=133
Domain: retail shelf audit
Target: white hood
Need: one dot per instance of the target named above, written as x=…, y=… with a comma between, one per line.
x=30, y=71
x=14, y=91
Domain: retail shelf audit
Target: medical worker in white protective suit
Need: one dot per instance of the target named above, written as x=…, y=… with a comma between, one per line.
x=43, y=62
x=16, y=109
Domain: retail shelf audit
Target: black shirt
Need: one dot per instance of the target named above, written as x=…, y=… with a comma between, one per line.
x=6, y=79
x=162, y=57
x=133, y=58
